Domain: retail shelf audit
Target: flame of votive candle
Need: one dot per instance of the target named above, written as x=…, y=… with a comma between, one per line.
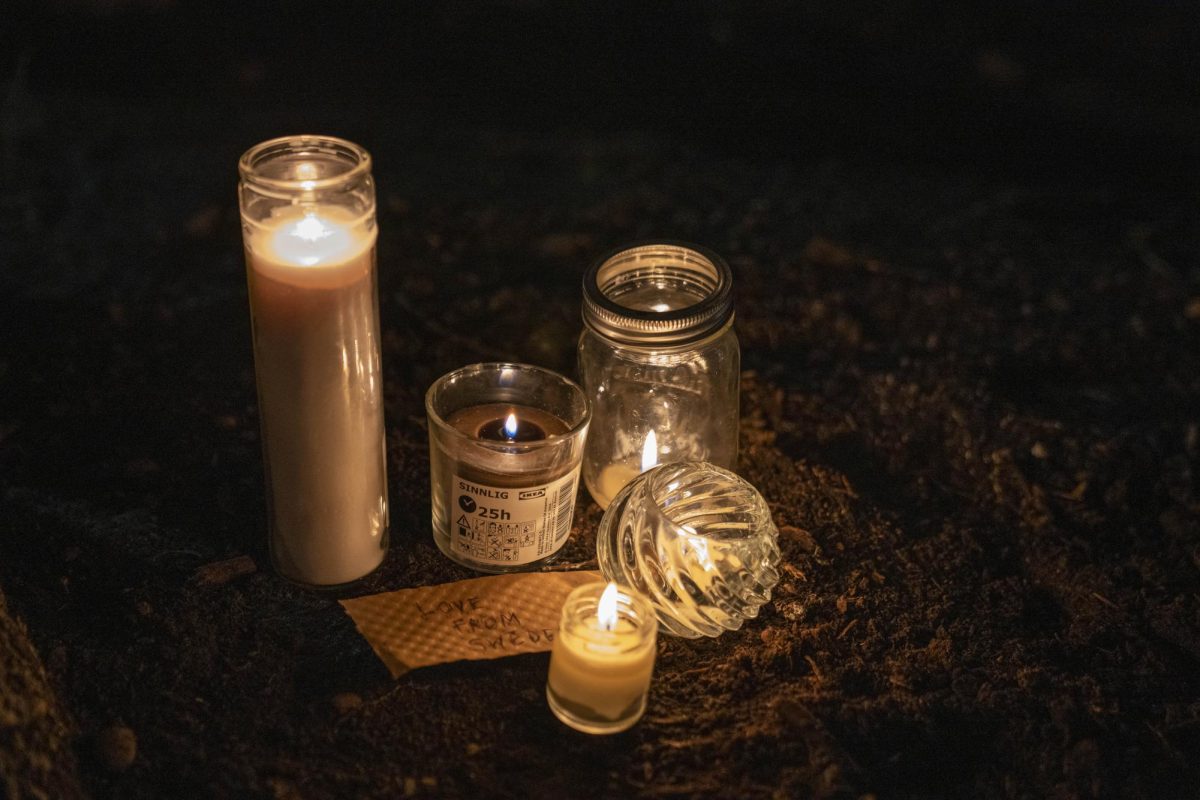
x=606, y=611
x=650, y=451
x=510, y=426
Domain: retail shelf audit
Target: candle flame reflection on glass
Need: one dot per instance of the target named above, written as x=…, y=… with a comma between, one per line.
x=307, y=173
x=699, y=546
x=650, y=451
x=606, y=610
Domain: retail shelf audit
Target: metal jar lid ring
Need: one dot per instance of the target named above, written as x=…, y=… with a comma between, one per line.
x=658, y=294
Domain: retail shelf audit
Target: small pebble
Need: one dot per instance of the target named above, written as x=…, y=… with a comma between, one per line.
x=345, y=702
x=283, y=789
x=204, y=221
x=803, y=537
x=795, y=714
x=116, y=747
x=826, y=252
x=221, y=572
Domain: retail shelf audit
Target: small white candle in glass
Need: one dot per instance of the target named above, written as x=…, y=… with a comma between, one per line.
x=602, y=659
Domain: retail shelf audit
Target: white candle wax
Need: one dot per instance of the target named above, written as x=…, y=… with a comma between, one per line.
x=614, y=477
x=316, y=351
x=612, y=480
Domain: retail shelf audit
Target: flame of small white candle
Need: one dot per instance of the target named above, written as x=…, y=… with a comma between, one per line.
x=606, y=611
x=510, y=426
x=650, y=452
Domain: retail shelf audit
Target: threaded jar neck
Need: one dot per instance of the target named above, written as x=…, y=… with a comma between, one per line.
x=658, y=294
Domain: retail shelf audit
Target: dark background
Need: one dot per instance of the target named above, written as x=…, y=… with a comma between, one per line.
x=964, y=241
x=1046, y=88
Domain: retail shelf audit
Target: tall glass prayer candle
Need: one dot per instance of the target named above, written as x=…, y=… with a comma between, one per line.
x=308, y=225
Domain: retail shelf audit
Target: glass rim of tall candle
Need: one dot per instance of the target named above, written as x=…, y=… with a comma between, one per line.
x=307, y=206
x=291, y=165
x=504, y=503
x=658, y=294
x=613, y=665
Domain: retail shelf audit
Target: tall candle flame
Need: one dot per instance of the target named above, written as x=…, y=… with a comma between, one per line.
x=311, y=229
x=312, y=240
x=606, y=612
x=510, y=426
x=650, y=452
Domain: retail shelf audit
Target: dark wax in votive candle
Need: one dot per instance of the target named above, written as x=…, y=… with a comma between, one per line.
x=487, y=423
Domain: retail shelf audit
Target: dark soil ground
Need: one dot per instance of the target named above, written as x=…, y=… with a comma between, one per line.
x=971, y=398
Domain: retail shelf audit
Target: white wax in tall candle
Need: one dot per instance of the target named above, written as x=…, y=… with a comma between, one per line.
x=316, y=352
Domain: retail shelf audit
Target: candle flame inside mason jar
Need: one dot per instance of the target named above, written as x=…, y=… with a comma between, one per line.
x=650, y=451
x=510, y=426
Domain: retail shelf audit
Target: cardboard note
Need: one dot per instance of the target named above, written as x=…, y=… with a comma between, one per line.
x=479, y=618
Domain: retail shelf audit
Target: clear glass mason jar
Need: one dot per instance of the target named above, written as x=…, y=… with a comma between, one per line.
x=308, y=225
x=659, y=361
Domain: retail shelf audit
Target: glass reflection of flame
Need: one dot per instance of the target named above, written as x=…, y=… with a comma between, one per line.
x=650, y=451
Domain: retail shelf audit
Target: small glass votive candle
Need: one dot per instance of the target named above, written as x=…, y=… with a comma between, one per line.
x=602, y=659
x=505, y=446
x=659, y=360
